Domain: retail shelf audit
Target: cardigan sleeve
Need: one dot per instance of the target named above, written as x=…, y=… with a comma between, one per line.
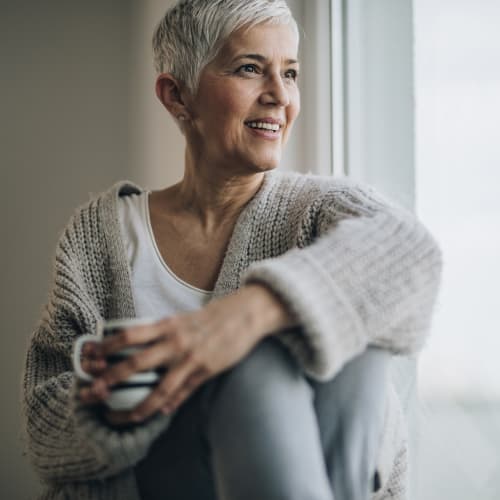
x=67, y=441
x=370, y=276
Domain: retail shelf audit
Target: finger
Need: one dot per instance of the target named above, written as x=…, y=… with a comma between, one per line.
x=178, y=377
x=119, y=418
x=135, y=336
x=158, y=355
x=160, y=396
x=88, y=396
x=90, y=361
x=90, y=349
x=93, y=367
x=177, y=399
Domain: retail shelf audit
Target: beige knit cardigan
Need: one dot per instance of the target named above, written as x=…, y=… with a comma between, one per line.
x=354, y=268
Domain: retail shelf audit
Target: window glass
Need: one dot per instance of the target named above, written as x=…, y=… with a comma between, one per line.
x=457, y=71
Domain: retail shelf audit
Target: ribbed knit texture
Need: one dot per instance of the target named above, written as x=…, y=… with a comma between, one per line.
x=354, y=269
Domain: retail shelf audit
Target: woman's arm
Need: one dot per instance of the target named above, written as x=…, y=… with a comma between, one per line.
x=193, y=347
x=370, y=277
x=68, y=441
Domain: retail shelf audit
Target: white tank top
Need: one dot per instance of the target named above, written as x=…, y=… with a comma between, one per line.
x=157, y=291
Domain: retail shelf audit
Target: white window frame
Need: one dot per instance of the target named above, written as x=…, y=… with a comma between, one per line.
x=374, y=54
x=357, y=83
x=373, y=131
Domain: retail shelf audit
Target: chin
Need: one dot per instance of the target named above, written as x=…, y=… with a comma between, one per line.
x=258, y=168
x=264, y=164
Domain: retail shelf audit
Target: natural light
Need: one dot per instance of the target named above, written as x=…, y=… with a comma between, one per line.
x=457, y=88
x=458, y=189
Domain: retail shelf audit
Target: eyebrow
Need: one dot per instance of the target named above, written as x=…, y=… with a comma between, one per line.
x=261, y=58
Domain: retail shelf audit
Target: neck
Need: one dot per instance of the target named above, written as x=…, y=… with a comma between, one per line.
x=213, y=196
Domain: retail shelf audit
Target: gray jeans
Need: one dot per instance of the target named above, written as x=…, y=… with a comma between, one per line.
x=263, y=431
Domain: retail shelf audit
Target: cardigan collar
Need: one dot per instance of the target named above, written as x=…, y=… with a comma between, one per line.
x=122, y=305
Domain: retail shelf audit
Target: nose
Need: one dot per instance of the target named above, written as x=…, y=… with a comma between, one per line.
x=275, y=92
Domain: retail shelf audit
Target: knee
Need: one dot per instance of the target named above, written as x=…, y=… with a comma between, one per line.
x=369, y=369
x=359, y=390
x=268, y=371
x=366, y=378
x=352, y=410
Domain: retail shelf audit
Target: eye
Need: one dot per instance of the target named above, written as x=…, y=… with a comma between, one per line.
x=292, y=74
x=247, y=68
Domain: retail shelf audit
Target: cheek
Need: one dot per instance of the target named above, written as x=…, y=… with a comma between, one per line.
x=216, y=103
x=227, y=116
x=228, y=101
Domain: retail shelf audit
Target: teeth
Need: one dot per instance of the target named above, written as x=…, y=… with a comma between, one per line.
x=268, y=126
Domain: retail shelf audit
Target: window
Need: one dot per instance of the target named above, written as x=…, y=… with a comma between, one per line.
x=458, y=196
x=421, y=105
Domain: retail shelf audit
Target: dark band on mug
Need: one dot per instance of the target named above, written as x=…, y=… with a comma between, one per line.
x=112, y=359
x=118, y=357
x=132, y=385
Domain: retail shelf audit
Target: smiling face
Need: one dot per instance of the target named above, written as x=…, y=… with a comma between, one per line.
x=247, y=101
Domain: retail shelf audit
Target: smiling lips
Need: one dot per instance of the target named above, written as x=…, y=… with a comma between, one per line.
x=266, y=127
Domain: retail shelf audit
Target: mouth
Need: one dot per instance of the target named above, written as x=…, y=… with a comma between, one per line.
x=265, y=124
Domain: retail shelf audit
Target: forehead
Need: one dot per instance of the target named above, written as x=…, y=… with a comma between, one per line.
x=273, y=41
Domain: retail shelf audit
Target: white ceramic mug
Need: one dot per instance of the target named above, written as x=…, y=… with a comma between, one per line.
x=129, y=393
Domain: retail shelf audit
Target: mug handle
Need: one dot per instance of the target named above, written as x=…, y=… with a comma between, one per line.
x=77, y=353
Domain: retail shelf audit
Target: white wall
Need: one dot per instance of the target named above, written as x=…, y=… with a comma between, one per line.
x=157, y=146
x=65, y=132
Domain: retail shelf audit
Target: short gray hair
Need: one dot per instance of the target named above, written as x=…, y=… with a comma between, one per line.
x=192, y=32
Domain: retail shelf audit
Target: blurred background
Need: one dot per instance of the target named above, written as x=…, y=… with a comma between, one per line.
x=76, y=87
x=457, y=89
x=402, y=94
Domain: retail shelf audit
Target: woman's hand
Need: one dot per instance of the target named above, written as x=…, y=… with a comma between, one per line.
x=192, y=347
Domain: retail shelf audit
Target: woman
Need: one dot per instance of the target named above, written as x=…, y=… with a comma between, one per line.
x=281, y=297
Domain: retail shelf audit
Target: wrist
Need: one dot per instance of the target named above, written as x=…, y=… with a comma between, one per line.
x=269, y=312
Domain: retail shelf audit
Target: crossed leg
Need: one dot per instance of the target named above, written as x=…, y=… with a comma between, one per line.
x=264, y=431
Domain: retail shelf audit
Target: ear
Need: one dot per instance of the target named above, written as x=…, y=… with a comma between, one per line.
x=169, y=92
